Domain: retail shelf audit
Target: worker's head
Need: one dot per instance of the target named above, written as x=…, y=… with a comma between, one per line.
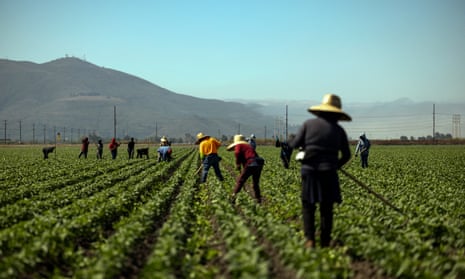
x=201, y=137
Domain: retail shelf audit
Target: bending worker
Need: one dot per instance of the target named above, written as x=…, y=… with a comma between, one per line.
x=208, y=153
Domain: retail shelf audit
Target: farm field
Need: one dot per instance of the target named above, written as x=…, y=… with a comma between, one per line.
x=86, y=218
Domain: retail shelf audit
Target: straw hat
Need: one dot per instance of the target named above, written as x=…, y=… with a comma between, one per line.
x=163, y=139
x=238, y=139
x=200, y=137
x=331, y=103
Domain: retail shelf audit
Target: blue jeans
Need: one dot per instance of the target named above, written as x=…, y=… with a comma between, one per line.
x=212, y=160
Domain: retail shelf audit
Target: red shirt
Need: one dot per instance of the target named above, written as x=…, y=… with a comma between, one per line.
x=244, y=153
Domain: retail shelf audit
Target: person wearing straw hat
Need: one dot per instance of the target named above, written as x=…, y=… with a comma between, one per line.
x=251, y=163
x=323, y=140
x=164, y=151
x=208, y=153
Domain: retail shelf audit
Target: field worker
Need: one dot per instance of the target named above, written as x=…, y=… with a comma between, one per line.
x=252, y=141
x=164, y=141
x=113, y=146
x=286, y=151
x=322, y=139
x=363, y=146
x=84, y=147
x=251, y=163
x=99, y=149
x=208, y=153
x=164, y=151
x=131, y=145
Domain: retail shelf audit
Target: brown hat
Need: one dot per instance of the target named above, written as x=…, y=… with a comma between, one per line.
x=331, y=103
x=200, y=137
x=238, y=139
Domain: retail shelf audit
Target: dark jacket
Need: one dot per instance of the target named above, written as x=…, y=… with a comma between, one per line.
x=322, y=139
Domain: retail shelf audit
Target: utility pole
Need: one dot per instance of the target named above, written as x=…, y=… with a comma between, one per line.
x=286, y=125
x=55, y=138
x=33, y=133
x=434, y=124
x=4, y=132
x=20, y=141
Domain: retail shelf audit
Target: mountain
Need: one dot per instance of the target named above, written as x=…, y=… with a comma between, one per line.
x=74, y=96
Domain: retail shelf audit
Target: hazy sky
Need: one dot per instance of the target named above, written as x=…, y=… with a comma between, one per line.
x=362, y=50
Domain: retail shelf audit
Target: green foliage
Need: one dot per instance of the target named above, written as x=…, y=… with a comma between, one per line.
x=66, y=217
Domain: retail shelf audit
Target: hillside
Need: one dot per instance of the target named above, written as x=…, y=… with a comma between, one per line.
x=70, y=93
x=75, y=97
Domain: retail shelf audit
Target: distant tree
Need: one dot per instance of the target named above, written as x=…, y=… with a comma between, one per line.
x=403, y=138
x=441, y=136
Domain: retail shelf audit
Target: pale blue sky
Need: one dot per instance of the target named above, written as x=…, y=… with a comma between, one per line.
x=363, y=50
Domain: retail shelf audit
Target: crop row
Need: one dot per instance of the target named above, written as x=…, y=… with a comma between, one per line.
x=59, y=235
x=143, y=219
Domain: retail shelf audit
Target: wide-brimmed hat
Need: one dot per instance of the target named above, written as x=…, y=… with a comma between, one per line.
x=163, y=139
x=331, y=103
x=238, y=139
x=200, y=137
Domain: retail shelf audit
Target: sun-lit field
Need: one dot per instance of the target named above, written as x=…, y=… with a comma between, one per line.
x=86, y=218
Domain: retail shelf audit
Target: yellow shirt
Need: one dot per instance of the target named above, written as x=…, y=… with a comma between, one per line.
x=209, y=146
